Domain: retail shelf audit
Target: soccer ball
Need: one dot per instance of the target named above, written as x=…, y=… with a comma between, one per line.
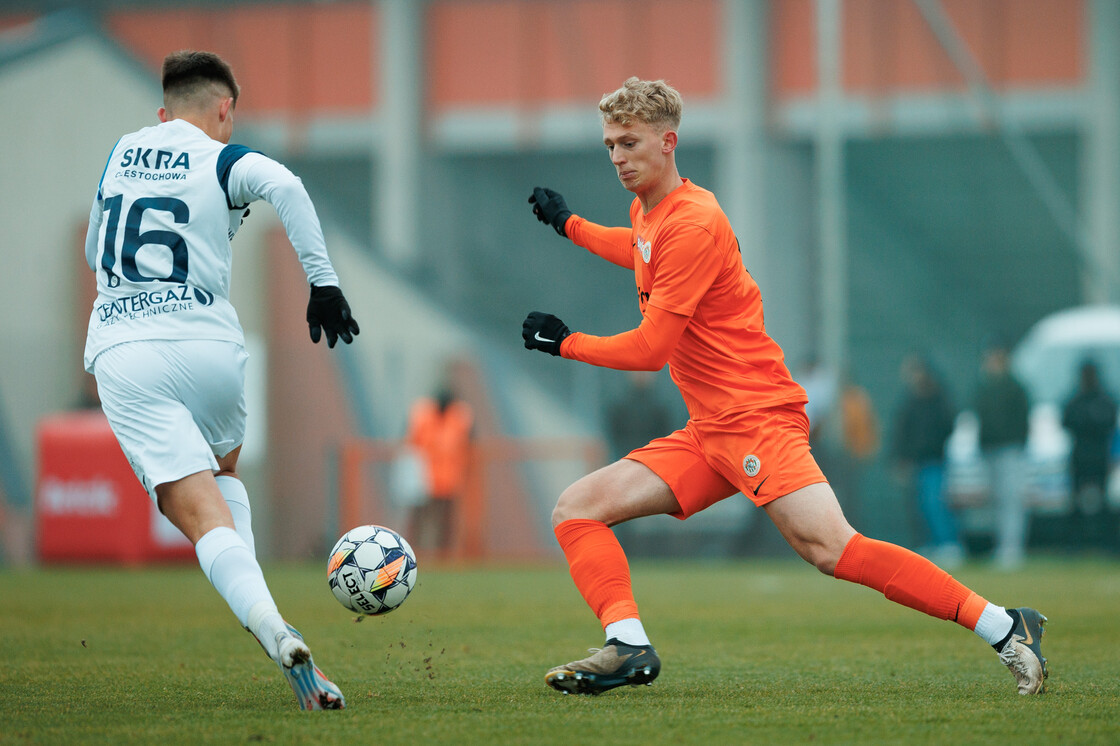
x=371, y=570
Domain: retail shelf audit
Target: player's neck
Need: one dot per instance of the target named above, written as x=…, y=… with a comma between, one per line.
x=207, y=125
x=659, y=191
x=202, y=121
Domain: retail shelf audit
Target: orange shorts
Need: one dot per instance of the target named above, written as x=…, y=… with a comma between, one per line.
x=764, y=454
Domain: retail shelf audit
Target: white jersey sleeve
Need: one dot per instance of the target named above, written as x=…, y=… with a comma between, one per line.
x=254, y=176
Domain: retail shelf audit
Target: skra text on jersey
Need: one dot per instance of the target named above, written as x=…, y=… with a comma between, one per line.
x=156, y=160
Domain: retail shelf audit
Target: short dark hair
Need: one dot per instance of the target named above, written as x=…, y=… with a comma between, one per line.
x=187, y=72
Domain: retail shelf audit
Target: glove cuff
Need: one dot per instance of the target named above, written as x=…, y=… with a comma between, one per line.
x=555, y=351
x=560, y=221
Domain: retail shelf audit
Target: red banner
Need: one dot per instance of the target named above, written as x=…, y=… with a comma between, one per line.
x=89, y=506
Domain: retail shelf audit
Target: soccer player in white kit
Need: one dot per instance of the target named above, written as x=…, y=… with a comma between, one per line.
x=165, y=345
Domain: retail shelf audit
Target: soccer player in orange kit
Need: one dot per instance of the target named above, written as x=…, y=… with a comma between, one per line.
x=747, y=430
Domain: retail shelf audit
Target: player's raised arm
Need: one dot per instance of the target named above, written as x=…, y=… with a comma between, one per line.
x=612, y=244
x=255, y=176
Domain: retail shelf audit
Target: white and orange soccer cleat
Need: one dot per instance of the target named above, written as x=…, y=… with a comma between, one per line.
x=313, y=690
x=1022, y=652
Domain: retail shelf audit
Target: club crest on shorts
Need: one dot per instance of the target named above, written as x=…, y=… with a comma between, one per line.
x=751, y=465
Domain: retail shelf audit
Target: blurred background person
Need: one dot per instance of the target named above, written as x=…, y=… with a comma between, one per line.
x=1090, y=418
x=821, y=385
x=439, y=430
x=859, y=444
x=843, y=430
x=922, y=425
x=1003, y=410
x=634, y=419
x=638, y=416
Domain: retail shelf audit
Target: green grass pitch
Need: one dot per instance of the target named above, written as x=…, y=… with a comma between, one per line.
x=752, y=651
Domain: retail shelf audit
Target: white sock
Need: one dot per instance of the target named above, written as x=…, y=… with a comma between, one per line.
x=629, y=631
x=994, y=624
x=233, y=571
x=266, y=624
x=238, y=500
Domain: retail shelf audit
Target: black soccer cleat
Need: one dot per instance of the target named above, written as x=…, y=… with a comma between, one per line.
x=615, y=664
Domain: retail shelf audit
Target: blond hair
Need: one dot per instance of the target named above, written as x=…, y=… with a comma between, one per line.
x=654, y=102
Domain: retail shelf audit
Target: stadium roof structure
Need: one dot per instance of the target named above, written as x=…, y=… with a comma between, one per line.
x=26, y=37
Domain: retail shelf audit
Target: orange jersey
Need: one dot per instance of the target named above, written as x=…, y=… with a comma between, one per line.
x=691, y=283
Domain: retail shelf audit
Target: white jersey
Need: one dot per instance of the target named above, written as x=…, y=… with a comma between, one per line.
x=169, y=201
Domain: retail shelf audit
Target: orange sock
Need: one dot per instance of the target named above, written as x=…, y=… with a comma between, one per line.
x=599, y=568
x=909, y=579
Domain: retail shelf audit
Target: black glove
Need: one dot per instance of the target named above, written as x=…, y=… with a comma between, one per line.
x=549, y=207
x=543, y=331
x=328, y=311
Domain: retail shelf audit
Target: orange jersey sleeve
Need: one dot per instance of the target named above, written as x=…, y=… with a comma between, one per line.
x=646, y=348
x=613, y=244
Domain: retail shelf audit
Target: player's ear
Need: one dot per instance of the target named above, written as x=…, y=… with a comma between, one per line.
x=225, y=108
x=163, y=114
x=669, y=142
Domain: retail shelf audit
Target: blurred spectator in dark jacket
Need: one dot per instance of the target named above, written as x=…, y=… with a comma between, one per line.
x=923, y=424
x=1090, y=418
x=1003, y=408
x=638, y=416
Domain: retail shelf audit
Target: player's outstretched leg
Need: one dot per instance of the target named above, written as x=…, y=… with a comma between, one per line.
x=615, y=664
x=1021, y=651
x=235, y=574
x=911, y=580
x=313, y=690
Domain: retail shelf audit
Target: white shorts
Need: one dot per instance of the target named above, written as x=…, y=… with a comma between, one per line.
x=174, y=405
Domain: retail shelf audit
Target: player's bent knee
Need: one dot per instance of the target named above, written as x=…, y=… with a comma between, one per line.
x=573, y=503
x=564, y=511
x=557, y=516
